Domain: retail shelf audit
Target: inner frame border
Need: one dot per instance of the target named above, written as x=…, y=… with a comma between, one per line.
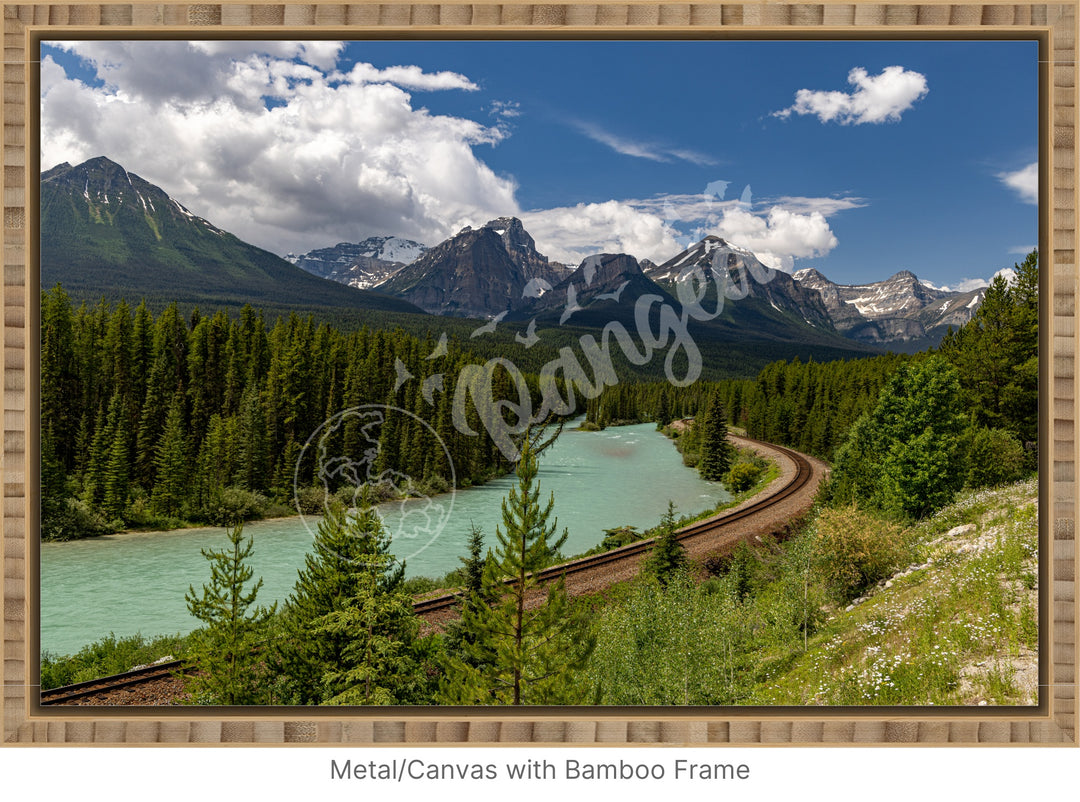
x=1053, y=721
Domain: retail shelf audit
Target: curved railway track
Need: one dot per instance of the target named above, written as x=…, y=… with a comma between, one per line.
x=710, y=526
x=629, y=554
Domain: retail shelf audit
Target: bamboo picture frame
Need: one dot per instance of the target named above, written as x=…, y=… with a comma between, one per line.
x=1052, y=722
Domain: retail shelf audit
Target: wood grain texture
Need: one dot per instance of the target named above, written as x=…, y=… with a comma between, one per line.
x=1055, y=722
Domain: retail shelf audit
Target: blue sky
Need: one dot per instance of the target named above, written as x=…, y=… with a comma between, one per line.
x=857, y=158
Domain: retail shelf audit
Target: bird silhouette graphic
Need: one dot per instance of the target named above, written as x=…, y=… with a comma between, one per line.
x=488, y=328
x=440, y=348
x=571, y=304
x=403, y=374
x=614, y=294
x=530, y=337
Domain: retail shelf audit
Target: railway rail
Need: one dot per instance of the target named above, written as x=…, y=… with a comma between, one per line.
x=80, y=691
x=802, y=476
x=708, y=528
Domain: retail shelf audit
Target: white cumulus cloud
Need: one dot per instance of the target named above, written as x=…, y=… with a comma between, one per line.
x=779, y=236
x=875, y=98
x=569, y=234
x=277, y=147
x=659, y=228
x=410, y=77
x=1024, y=181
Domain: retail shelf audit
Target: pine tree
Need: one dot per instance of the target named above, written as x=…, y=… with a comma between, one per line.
x=254, y=452
x=60, y=390
x=536, y=648
x=216, y=465
x=716, y=451
x=902, y=456
x=457, y=640
x=116, y=476
x=93, y=480
x=343, y=552
x=996, y=354
x=171, y=462
x=377, y=626
x=225, y=651
x=668, y=555
x=663, y=413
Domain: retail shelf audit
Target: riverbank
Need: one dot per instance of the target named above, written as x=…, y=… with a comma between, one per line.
x=603, y=480
x=309, y=501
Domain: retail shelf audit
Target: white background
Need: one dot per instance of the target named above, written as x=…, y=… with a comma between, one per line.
x=880, y=774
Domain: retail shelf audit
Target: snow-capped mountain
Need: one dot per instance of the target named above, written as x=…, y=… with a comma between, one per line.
x=900, y=309
x=900, y=312
x=596, y=292
x=360, y=264
x=714, y=262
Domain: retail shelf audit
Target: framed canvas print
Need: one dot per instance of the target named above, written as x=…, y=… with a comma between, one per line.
x=534, y=374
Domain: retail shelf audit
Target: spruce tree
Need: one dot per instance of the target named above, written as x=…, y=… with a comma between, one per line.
x=93, y=480
x=225, y=650
x=344, y=553
x=378, y=627
x=254, y=451
x=60, y=388
x=663, y=413
x=902, y=457
x=457, y=640
x=116, y=476
x=536, y=645
x=171, y=462
x=668, y=556
x=716, y=451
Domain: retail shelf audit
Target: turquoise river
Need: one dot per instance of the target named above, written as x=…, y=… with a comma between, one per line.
x=135, y=582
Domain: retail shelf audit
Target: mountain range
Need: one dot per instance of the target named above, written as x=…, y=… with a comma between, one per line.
x=496, y=271
x=108, y=231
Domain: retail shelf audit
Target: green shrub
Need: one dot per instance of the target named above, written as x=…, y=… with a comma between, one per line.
x=71, y=519
x=235, y=504
x=742, y=476
x=311, y=500
x=618, y=537
x=415, y=585
x=852, y=550
x=994, y=457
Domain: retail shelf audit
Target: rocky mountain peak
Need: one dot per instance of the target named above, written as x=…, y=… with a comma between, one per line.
x=901, y=310
x=108, y=190
x=810, y=277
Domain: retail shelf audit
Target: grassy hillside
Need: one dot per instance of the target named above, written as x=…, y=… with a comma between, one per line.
x=851, y=610
x=957, y=626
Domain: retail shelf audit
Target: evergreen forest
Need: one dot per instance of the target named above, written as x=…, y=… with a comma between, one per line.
x=157, y=421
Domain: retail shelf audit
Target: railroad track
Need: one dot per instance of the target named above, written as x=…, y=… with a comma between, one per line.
x=130, y=679
x=709, y=526
x=71, y=694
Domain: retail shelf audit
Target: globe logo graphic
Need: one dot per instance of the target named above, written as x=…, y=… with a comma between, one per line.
x=345, y=450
